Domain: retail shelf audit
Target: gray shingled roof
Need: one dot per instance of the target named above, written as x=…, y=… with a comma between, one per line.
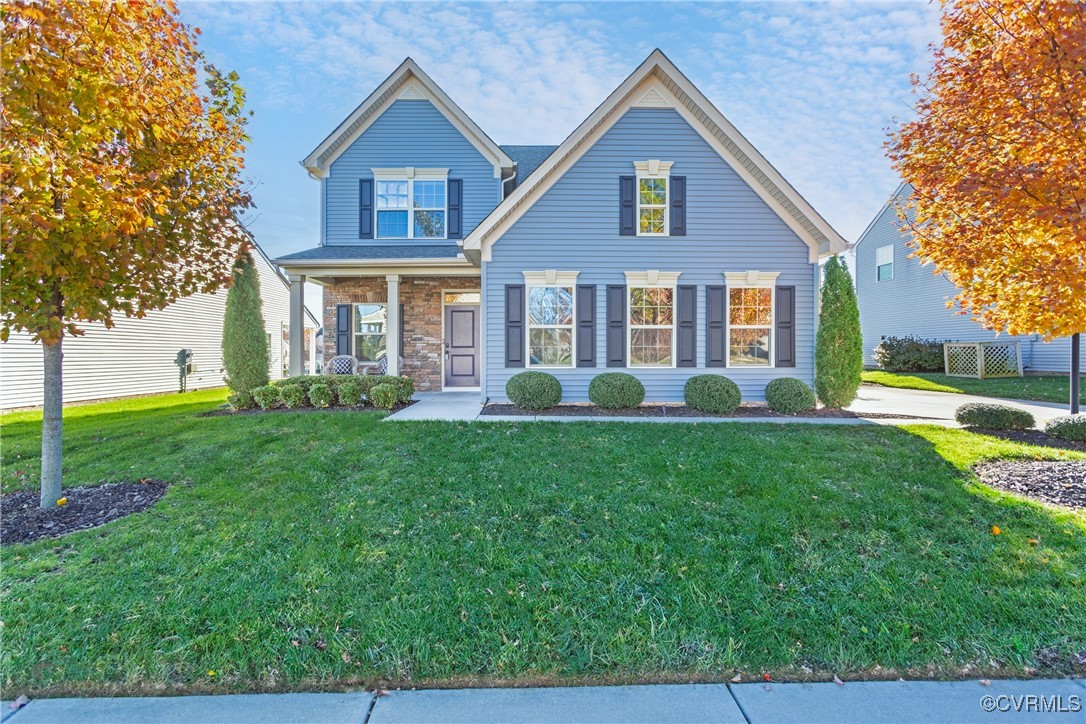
x=528, y=158
x=340, y=252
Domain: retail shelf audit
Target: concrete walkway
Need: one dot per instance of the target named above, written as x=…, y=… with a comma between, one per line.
x=941, y=405
x=1058, y=700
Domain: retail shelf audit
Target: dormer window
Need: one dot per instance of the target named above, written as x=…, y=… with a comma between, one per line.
x=652, y=197
x=412, y=203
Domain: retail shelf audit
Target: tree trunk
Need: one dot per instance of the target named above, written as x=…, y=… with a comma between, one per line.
x=1076, y=372
x=51, y=426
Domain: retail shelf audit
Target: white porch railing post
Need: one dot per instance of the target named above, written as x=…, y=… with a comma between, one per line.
x=392, y=328
x=297, y=324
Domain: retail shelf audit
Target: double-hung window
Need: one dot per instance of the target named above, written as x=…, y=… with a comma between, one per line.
x=750, y=318
x=652, y=197
x=370, y=335
x=884, y=263
x=411, y=203
x=651, y=318
x=550, y=318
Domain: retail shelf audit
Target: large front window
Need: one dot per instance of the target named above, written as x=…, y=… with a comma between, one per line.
x=370, y=325
x=750, y=325
x=550, y=326
x=411, y=209
x=652, y=326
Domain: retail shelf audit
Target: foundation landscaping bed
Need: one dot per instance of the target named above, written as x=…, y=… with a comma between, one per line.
x=308, y=551
x=310, y=393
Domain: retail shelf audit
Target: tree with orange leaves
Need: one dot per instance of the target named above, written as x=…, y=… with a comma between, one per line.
x=121, y=165
x=996, y=157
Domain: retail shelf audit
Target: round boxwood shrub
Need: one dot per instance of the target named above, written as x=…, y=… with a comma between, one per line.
x=534, y=390
x=320, y=395
x=616, y=390
x=712, y=393
x=349, y=391
x=384, y=395
x=405, y=388
x=292, y=395
x=789, y=395
x=267, y=396
x=1068, y=427
x=993, y=416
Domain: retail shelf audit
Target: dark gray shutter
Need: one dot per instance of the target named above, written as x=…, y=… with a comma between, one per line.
x=514, y=325
x=678, y=206
x=686, y=342
x=456, y=206
x=716, y=330
x=401, y=330
x=365, y=208
x=343, y=329
x=616, y=325
x=627, y=206
x=786, y=327
x=586, y=325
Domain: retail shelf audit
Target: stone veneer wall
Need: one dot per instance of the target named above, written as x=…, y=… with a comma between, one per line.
x=422, y=310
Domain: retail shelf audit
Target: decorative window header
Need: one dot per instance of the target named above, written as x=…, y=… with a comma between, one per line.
x=751, y=279
x=653, y=168
x=551, y=277
x=652, y=278
x=410, y=172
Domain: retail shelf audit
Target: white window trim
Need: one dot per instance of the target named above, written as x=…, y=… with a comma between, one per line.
x=411, y=174
x=544, y=279
x=891, y=262
x=646, y=170
x=750, y=280
x=355, y=334
x=651, y=279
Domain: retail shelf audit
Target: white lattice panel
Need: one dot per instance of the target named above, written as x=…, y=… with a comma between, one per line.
x=983, y=359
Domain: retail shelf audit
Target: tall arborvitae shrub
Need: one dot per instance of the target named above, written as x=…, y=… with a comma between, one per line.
x=839, y=352
x=244, y=342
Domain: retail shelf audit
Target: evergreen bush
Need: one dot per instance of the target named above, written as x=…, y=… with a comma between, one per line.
x=1068, y=427
x=712, y=393
x=910, y=354
x=320, y=395
x=789, y=395
x=267, y=396
x=534, y=390
x=839, y=353
x=244, y=341
x=384, y=395
x=993, y=416
x=616, y=390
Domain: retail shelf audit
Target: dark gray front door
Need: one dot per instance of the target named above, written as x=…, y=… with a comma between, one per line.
x=461, y=346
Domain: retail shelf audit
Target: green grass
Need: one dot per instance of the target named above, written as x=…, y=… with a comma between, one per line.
x=327, y=550
x=1043, y=388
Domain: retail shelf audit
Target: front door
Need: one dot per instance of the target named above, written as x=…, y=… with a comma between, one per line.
x=461, y=346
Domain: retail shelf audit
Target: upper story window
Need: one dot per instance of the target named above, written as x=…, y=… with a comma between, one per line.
x=652, y=197
x=750, y=318
x=550, y=318
x=884, y=263
x=411, y=203
x=651, y=318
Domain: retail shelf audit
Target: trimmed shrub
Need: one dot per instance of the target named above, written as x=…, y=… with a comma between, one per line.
x=405, y=389
x=267, y=396
x=712, y=393
x=993, y=416
x=1068, y=427
x=244, y=342
x=534, y=390
x=789, y=395
x=320, y=395
x=839, y=346
x=349, y=391
x=616, y=390
x=384, y=395
x=303, y=381
x=910, y=354
x=405, y=386
x=292, y=396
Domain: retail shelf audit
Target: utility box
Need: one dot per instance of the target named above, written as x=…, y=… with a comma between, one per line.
x=185, y=367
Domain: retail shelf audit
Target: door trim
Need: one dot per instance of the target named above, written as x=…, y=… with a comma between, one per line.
x=482, y=351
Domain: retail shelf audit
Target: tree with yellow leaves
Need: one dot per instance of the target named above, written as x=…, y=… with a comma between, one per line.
x=121, y=166
x=996, y=157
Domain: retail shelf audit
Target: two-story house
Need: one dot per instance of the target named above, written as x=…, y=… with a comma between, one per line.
x=654, y=240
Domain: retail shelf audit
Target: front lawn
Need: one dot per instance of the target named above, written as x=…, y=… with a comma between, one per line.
x=1043, y=388
x=329, y=549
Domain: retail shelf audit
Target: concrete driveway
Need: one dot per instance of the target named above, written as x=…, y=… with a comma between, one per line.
x=940, y=405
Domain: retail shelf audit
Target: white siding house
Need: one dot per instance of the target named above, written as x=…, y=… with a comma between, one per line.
x=899, y=296
x=136, y=356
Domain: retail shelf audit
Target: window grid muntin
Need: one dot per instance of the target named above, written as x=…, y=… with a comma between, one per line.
x=652, y=207
x=552, y=330
x=750, y=311
x=652, y=322
x=404, y=202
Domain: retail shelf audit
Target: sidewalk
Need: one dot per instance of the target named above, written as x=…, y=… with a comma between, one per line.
x=1053, y=700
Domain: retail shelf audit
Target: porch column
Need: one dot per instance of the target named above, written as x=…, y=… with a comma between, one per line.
x=297, y=324
x=392, y=327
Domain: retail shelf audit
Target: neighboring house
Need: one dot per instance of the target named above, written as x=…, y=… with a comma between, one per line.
x=655, y=240
x=900, y=296
x=136, y=356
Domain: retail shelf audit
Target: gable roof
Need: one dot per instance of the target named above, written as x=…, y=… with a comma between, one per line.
x=410, y=83
x=527, y=159
x=657, y=83
x=901, y=187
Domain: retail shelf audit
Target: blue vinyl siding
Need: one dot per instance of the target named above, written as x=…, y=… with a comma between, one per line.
x=575, y=226
x=408, y=133
x=914, y=301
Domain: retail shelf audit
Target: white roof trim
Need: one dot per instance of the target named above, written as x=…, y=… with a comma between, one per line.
x=658, y=83
x=407, y=82
x=751, y=279
x=652, y=278
x=882, y=209
x=550, y=278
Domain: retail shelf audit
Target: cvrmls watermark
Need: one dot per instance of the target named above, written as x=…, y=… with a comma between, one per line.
x=1019, y=703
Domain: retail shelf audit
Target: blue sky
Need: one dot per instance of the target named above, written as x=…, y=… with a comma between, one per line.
x=812, y=85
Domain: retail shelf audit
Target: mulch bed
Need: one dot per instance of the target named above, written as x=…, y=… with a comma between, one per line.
x=22, y=521
x=676, y=411
x=1060, y=482
x=226, y=411
x=1031, y=437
